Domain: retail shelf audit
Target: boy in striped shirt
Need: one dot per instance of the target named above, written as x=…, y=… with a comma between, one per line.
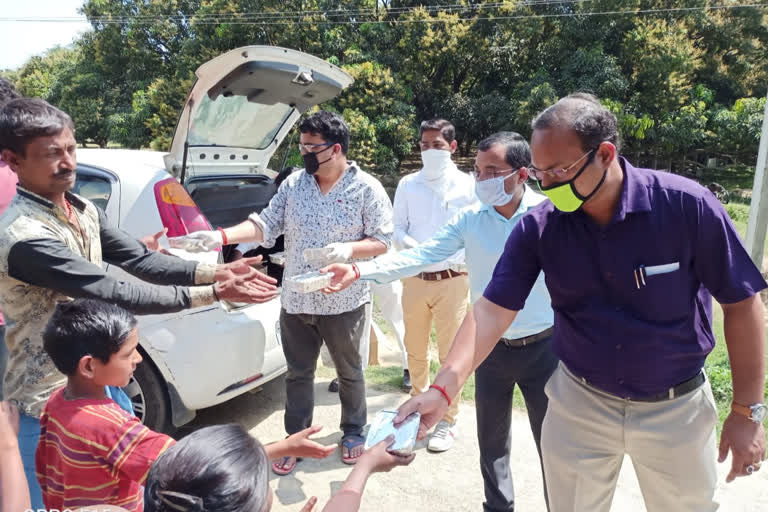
x=91, y=451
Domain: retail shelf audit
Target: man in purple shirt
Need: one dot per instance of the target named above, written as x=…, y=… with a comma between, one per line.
x=632, y=259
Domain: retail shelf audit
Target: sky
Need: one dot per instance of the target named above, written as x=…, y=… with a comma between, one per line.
x=21, y=40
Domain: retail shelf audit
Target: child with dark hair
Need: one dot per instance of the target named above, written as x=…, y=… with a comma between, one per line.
x=224, y=469
x=91, y=451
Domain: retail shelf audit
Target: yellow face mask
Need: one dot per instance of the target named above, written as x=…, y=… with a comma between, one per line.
x=564, y=195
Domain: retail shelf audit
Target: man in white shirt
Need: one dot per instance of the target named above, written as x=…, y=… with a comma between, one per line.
x=424, y=203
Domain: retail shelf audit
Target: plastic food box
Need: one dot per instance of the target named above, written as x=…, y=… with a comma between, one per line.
x=308, y=282
x=278, y=258
x=405, y=434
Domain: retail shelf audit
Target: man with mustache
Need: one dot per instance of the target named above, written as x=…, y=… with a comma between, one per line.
x=52, y=244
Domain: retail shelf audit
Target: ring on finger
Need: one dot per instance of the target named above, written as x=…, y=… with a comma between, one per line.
x=750, y=469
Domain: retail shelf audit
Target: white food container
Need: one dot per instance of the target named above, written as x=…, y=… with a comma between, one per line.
x=308, y=282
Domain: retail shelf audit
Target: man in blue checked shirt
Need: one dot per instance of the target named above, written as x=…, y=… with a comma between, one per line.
x=523, y=356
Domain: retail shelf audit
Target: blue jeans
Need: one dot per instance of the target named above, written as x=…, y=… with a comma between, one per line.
x=29, y=435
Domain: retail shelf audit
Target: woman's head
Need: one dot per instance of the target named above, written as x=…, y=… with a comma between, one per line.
x=215, y=469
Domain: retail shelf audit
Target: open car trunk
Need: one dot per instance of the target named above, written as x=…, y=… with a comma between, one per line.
x=242, y=106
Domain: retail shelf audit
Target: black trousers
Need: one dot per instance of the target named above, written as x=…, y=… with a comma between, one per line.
x=495, y=379
x=302, y=335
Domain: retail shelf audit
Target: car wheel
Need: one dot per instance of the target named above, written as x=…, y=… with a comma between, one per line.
x=147, y=392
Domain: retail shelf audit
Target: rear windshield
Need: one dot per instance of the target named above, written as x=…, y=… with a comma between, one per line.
x=236, y=122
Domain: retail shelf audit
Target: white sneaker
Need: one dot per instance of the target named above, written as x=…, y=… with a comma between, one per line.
x=443, y=437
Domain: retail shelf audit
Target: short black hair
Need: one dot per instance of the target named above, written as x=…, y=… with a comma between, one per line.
x=8, y=91
x=517, y=151
x=220, y=468
x=445, y=127
x=330, y=126
x=582, y=113
x=24, y=119
x=85, y=327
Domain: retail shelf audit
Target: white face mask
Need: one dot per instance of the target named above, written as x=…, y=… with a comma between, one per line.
x=435, y=161
x=491, y=191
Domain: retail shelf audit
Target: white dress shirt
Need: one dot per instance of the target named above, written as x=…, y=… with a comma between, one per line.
x=420, y=211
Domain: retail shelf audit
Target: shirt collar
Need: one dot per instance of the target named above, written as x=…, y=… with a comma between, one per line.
x=634, y=192
x=41, y=201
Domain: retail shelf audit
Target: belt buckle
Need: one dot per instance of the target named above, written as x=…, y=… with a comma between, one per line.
x=438, y=276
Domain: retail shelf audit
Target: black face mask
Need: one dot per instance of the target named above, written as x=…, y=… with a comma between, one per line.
x=311, y=164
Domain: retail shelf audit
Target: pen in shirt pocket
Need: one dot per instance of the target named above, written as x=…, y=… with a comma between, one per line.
x=642, y=272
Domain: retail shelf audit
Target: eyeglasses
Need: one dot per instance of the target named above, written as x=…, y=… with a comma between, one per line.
x=538, y=174
x=308, y=147
x=490, y=174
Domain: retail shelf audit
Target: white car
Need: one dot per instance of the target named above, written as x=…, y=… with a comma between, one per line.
x=241, y=108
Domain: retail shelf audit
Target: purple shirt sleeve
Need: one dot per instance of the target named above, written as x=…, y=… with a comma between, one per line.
x=721, y=262
x=518, y=268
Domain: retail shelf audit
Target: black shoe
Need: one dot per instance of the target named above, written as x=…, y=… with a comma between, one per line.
x=406, y=381
x=333, y=387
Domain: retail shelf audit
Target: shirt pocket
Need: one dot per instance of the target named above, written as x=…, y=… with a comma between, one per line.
x=663, y=290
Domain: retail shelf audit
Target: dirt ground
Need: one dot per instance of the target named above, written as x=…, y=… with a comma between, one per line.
x=433, y=482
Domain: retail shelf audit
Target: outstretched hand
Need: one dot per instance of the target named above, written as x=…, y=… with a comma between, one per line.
x=343, y=276
x=243, y=269
x=431, y=405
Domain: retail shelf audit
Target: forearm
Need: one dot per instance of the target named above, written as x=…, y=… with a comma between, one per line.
x=246, y=231
x=481, y=329
x=277, y=450
x=14, y=492
x=123, y=250
x=50, y=264
x=348, y=498
x=367, y=248
x=744, y=328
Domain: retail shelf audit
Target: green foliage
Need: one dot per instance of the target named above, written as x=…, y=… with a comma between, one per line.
x=739, y=213
x=686, y=86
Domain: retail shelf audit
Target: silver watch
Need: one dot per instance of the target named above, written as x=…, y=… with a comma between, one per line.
x=759, y=412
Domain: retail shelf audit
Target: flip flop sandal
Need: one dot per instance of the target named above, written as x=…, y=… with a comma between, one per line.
x=279, y=467
x=351, y=442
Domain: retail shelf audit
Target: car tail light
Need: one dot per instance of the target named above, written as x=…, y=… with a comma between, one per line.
x=178, y=210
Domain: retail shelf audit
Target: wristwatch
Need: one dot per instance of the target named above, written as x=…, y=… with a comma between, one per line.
x=756, y=412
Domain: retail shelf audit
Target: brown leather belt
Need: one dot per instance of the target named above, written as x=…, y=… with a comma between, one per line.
x=528, y=340
x=439, y=276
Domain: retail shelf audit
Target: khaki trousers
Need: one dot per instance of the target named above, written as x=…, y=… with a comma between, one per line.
x=586, y=434
x=445, y=302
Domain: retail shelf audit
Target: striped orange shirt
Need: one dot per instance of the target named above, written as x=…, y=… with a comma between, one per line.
x=92, y=452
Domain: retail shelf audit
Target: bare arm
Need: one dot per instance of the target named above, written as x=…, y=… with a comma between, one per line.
x=367, y=248
x=299, y=445
x=14, y=492
x=246, y=231
x=481, y=329
x=478, y=334
x=374, y=460
x=744, y=327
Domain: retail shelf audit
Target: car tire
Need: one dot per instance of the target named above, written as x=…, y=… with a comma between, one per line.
x=149, y=397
